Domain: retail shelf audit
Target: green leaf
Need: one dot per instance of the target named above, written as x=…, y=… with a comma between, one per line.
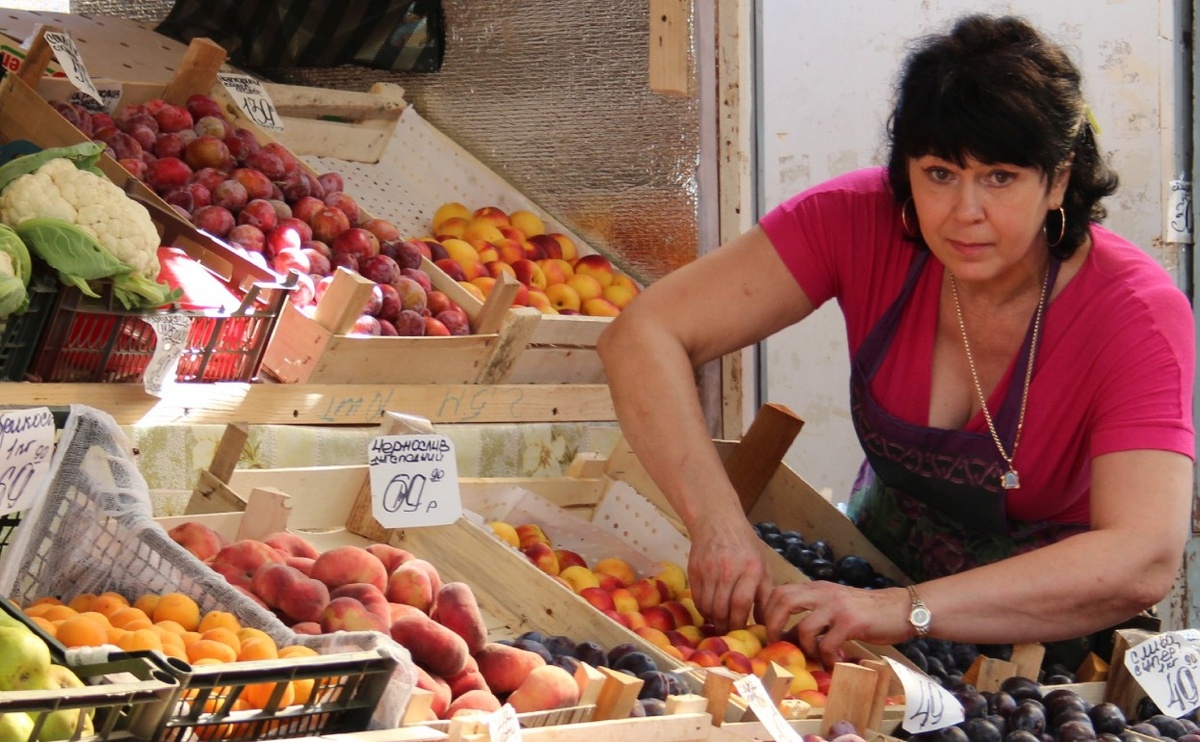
x=70, y=250
x=137, y=292
x=13, y=298
x=85, y=155
x=12, y=244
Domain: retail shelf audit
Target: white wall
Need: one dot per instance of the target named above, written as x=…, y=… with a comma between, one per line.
x=827, y=72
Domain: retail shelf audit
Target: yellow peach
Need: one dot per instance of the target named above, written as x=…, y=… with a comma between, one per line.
x=569, y=251
x=600, y=307
x=473, y=290
x=448, y=210
x=480, y=230
x=563, y=296
x=527, y=222
x=556, y=270
x=586, y=286
x=618, y=295
x=455, y=226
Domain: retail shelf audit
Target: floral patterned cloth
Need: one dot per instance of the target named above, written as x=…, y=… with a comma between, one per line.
x=170, y=457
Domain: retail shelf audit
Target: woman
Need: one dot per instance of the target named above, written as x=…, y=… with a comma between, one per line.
x=1021, y=380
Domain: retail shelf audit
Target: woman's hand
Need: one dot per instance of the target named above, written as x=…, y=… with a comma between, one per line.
x=727, y=571
x=835, y=614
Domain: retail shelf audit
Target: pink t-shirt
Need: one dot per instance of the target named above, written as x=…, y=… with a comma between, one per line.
x=1114, y=369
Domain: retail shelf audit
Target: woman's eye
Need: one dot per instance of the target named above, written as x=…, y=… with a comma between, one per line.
x=1001, y=177
x=938, y=174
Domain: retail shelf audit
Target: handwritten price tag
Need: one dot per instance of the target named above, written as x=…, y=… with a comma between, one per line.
x=927, y=705
x=751, y=689
x=110, y=97
x=1167, y=667
x=26, y=446
x=414, y=481
x=503, y=725
x=1179, y=213
x=252, y=98
x=172, y=331
x=68, y=56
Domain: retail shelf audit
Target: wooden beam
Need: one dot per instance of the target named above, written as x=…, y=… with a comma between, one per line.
x=325, y=404
x=670, y=46
x=758, y=455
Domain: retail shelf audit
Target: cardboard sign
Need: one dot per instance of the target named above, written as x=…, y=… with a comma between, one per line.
x=1167, y=667
x=26, y=447
x=72, y=63
x=414, y=481
x=751, y=689
x=503, y=725
x=252, y=98
x=927, y=705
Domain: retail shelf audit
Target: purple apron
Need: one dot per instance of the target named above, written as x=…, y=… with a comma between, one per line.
x=930, y=498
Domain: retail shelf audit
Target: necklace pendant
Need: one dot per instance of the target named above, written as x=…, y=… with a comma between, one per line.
x=1010, y=481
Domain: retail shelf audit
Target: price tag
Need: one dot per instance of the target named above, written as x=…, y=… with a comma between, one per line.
x=751, y=689
x=503, y=725
x=172, y=331
x=1167, y=667
x=250, y=96
x=110, y=98
x=1179, y=213
x=26, y=446
x=414, y=481
x=927, y=705
x=72, y=63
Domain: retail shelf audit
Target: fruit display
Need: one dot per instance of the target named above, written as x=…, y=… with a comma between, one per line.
x=475, y=246
x=658, y=607
x=817, y=560
x=25, y=665
x=263, y=201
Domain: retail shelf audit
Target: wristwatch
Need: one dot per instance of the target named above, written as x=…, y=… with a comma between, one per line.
x=919, y=616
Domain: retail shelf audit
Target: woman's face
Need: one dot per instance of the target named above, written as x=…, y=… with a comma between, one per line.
x=983, y=221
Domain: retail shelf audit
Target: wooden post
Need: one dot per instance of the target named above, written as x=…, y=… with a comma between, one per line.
x=883, y=685
x=343, y=302
x=197, y=71
x=851, y=696
x=267, y=511
x=754, y=461
x=987, y=673
x=37, y=59
x=670, y=46
x=362, y=520
x=495, y=310
x=1028, y=659
x=618, y=695
x=211, y=493
x=718, y=685
x=1121, y=687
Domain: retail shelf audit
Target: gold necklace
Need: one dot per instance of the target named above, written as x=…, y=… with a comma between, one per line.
x=1009, y=480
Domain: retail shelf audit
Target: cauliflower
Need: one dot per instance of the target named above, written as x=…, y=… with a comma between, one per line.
x=60, y=190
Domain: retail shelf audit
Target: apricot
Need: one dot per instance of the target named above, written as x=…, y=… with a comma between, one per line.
x=504, y=667
x=432, y=646
x=545, y=688
x=456, y=608
x=617, y=568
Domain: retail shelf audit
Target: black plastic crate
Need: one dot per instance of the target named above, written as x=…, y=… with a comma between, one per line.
x=22, y=332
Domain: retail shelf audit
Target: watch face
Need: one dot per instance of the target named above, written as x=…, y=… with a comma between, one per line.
x=920, y=617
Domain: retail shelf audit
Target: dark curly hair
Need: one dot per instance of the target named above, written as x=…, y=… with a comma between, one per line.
x=995, y=90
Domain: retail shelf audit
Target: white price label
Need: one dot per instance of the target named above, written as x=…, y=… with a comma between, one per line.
x=927, y=705
x=26, y=447
x=751, y=689
x=503, y=725
x=1179, y=213
x=1167, y=667
x=414, y=481
x=110, y=98
x=71, y=61
x=172, y=332
x=252, y=98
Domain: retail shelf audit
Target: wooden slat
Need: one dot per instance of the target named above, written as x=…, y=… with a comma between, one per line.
x=675, y=728
x=572, y=330
x=1028, y=659
x=670, y=46
x=33, y=67
x=547, y=364
x=851, y=696
x=617, y=696
x=197, y=71
x=361, y=519
x=325, y=404
x=267, y=511
x=513, y=343
x=1121, y=688
x=758, y=455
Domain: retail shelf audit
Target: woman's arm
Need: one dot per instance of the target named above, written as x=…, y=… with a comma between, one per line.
x=1141, y=505
x=722, y=302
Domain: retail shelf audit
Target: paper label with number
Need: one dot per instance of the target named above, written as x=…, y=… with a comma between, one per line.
x=250, y=96
x=503, y=725
x=1167, y=667
x=752, y=691
x=1179, y=213
x=110, y=97
x=172, y=332
x=414, y=481
x=26, y=447
x=927, y=705
x=72, y=63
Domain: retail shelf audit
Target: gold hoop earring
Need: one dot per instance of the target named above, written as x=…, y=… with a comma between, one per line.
x=908, y=231
x=1062, y=228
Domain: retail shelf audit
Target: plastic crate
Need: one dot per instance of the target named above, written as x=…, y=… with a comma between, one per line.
x=89, y=340
x=21, y=332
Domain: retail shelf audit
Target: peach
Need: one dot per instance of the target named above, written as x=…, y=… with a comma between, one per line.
x=304, y=564
x=568, y=558
x=245, y=557
x=737, y=661
x=632, y=620
x=300, y=598
x=556, y=270
x=396, y=610
x=782, y=652
x=566, y=244
x=343, y=565
x=466, y=680
x=505, y=668
x=509, y=251
x=608, y=582
x=527, y=223
x=578, y=578
x=438, y=687
x=647, y=592
x=680, y=614
x=705, y=658
x=450, y=209
x=586, y=286
x=539, y=301
x=563, y=296
x=600, y=599
x=432, y=645
x=596, y=266
x=758, y=666
x=473, y=701
x=618, y=296
x=472, y=289
x=547, y=247
x=410, y=585
x=454, y=227
x=202, y=541
x=390, y=556
x=290, y=543
x=659, y=618
x=655, y=636
x=493, y=215
x=750, y=642
x=530, y=533
x=506, y=533
x=497, y=268
x=618, y=568
x=623, y=600
x=679, y=639
x=691, y=632
x=600, y=307
x=673, y=576
x=814, y=698
x=370, y=596
x=691, y=608
x=824, y=680
x=455, y=608
x=348, y=614
x=529, y=273
x=545, y=688
x=481, y=231
x=543, y=557
x=802, y=680
x=308, y=628
x=716, y=644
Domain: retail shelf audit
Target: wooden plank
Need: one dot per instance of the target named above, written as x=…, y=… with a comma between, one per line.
x=987, y=673
x=513, y=342
x=1028, y=659
x=675, y=728
x=1121, y=688
x=361, y=519
x=571, y=330
x=310, y=510
x=546, y=364
x=229, y=451
x=617, y=696
x=325, y=404
x=760, y=452
x=267, y=511
x=885, y=680
x=495, y=308
x=851, y=696
x=670, y=46
x=354, y=359
x=565, y=492
x=212, y=495
x=197, y=71
x=37, y=59
x=718, y=685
